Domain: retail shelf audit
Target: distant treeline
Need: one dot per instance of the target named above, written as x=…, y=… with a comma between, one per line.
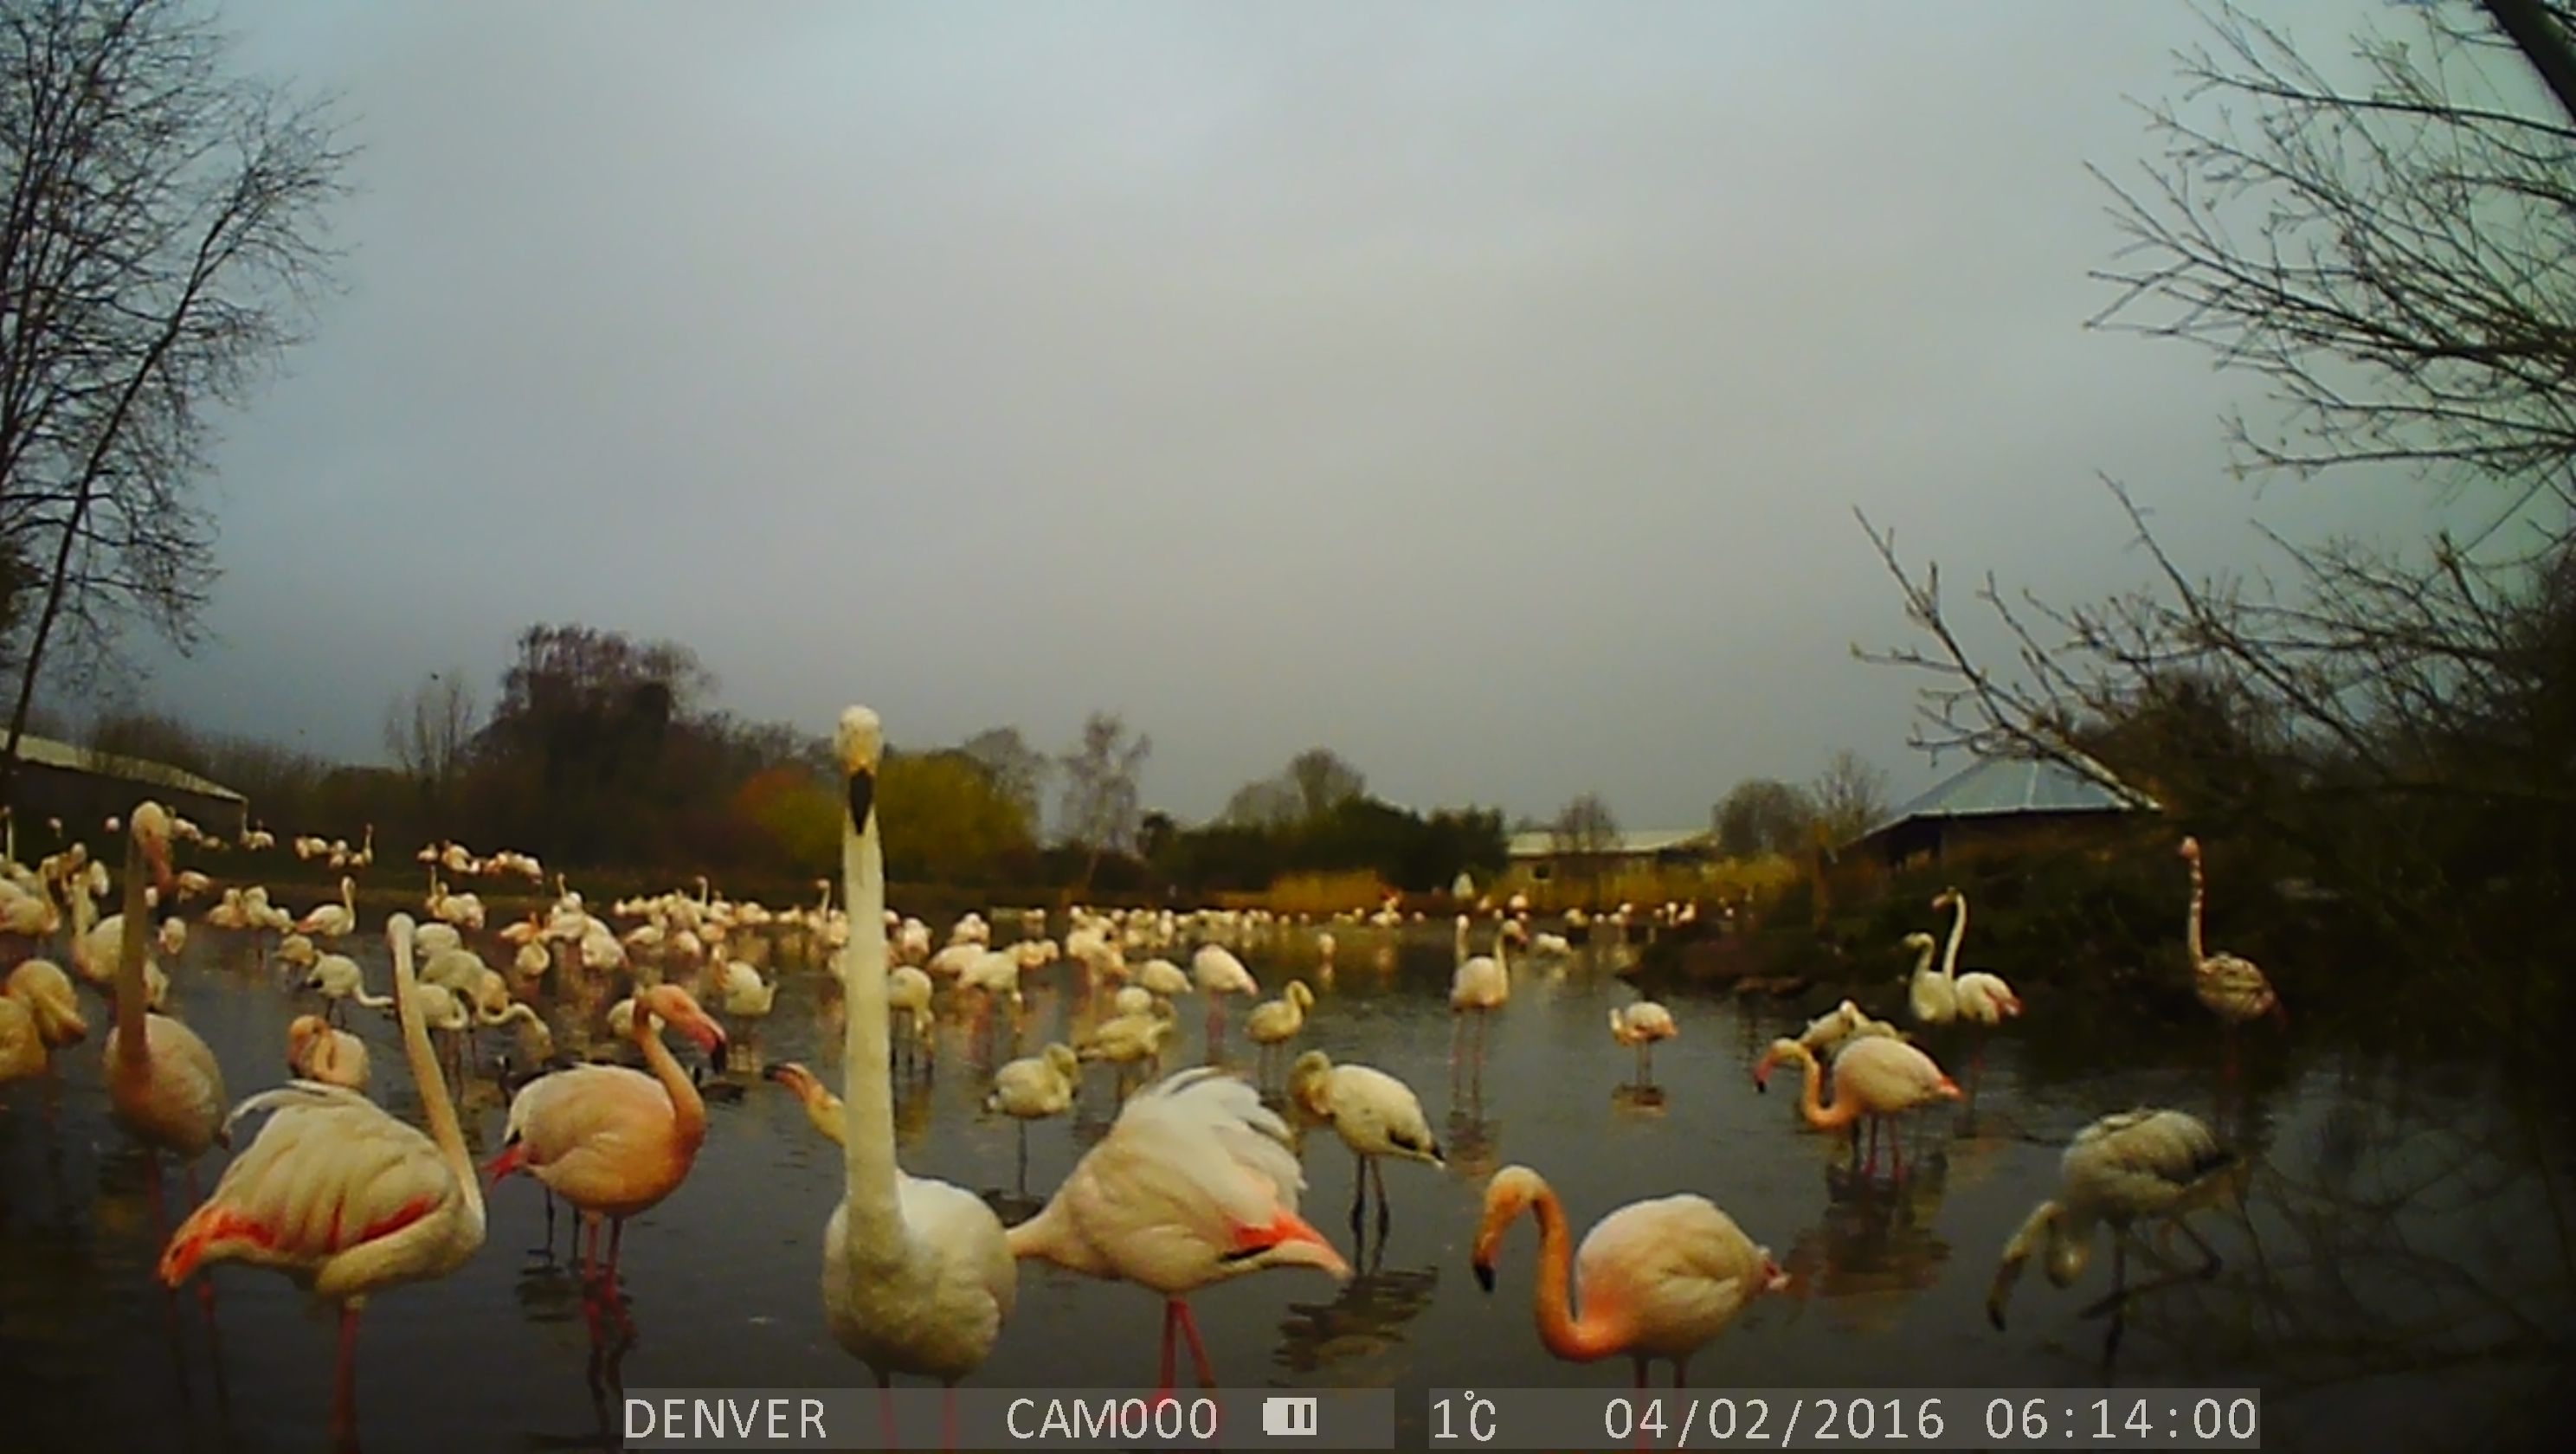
x=606, y=752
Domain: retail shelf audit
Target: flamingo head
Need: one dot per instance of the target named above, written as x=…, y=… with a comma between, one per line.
x=1945, y=899
x=1781, y=1050
x=1774, y=1277
x=151, y=833
x=2190, y=849
x=1306, y=1079
x=680, y=1010
x=796, y=1078
x=1513, y=1191
x=301, y=1032
x=1918, y=941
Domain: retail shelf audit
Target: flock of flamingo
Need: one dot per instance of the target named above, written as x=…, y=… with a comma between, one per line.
x=1195, y=1181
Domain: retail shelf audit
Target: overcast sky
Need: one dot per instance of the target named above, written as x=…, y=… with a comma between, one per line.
x=1482, y=390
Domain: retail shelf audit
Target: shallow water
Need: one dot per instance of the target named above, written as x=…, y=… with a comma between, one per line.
x=2396, y=1277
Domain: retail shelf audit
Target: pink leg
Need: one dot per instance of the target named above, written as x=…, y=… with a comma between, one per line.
x=616, y=1234
x=885, y=1408
x=1198, y=1350
x=947, y=1418
x=344, y=1401
x=1171, y=1321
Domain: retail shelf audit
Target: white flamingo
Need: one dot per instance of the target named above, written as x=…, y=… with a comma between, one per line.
x=1639, y=1026
x=2230, y=985
x=164, y=1084
x=333, y=920
x=1220, y=974
x=1375, y=1114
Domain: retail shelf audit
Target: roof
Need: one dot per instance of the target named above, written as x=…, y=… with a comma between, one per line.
x=2002, y=786
x=1543, y=843
x=50, y=753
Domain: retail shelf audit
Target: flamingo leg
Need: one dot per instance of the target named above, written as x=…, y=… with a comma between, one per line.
x=1377, y=1174
x=344, y=1397
x=1640, y=1365
x=1198, y=1350
x=1171, y=1322
x=616, y=1235
x=947, y=1416
x=1681, y=1371
x=1024, y=1159
x=885, y=1408
x=1359, y=1191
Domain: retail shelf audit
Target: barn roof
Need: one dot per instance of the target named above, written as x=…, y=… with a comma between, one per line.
x=64, y=755
x=2003, y=786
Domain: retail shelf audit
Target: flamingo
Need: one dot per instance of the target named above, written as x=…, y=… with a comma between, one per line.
x=1273, y=1023
x=1874, y=1077
x=1033, y=1088
x=1126, y=1040
x=1193, y=1184
x=1374, y=1113
x=1162, y=977
x=1984, y=998
x=1219, y=974
x=908, y=994
x=1660, y=1278
x=1481, y=986
x=917, y=1275
x=2231, y=986
x=23, y=1053
x=163, y=1082
x=46, y=992
x=315, y=1051
x=613, y=1141
x=1829, y=1032
x=337, y=979
x=2125, y=1167
x=822, y=1108
x=342, y=1197
x=333, y=920
x=1640, y=1025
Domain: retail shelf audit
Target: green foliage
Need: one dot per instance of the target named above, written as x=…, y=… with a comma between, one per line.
x=947, y=820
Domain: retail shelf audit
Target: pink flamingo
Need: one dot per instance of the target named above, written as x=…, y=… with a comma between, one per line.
x=1661, y=1278
x=1193, y=1184
x=2230, y=985
x=163, y=1082
x=613, y=1141
x=342, y=1197
x=1874, y=1077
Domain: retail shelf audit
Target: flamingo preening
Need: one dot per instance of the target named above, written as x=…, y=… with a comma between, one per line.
x=1874, y=1077
x=2119, y=1170
x=1659, y=1279
x=1220, y=974
x=1639, y=1026
x=917, y=1277
x=2230, y=985
x=341, y=1196
x=1193, y=1184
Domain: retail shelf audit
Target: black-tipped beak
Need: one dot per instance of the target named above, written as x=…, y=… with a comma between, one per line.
x=1995, y=1315
x=1485, y=1276
x=863, y=797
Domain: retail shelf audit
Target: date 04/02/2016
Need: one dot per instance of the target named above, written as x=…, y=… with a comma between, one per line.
x=1814, y=1418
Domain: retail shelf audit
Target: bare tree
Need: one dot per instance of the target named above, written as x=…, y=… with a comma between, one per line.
x=430, y=728
x=1324, y=781
x=1018, y=770
x=2398, y=263
x=1763, y=815
x=1262, y=803
x=1100, y=793
x=1850, y=795
x=1586, y=836
x=161, y=244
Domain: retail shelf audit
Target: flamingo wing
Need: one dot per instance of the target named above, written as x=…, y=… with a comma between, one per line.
x=1379, y=1114
x=2140, y=1162
x=583, y=1130
x=329, y=1175
x=1673, y=1271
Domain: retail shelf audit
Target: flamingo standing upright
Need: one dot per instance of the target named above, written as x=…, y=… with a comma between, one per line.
x=917, y=1276
x=2125, y=1167
x=1220, y=974
x=1034, y=1088
x=1480, y=986
x=1273, y=1023
x=614, y=1141
x=1639, y=1026
x=163, y=1082
x=1659, y=1279
x=333, y=920
x=339, y=1195
x=1874, y=1077
x=2230, y=985
x=1980, y=997
x=1193, y=1184
x=1375, y=1114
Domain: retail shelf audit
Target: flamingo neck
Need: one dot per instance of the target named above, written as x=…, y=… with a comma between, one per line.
x=435, y=1104
x=1958, y=931
x=1811, y=1103
x=1576, y=1339
x=2191, y=928
x=688, y=1111
x=873, y=1229
x=132, y=945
